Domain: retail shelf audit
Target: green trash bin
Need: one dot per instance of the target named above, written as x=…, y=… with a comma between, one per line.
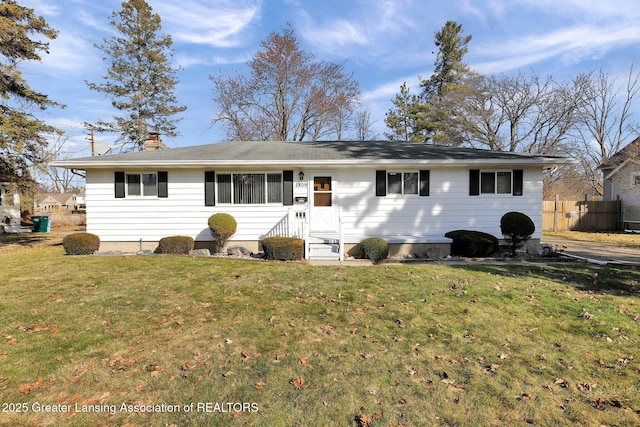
x=40, y=224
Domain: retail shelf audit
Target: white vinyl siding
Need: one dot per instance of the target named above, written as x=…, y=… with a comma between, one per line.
x=448, y=207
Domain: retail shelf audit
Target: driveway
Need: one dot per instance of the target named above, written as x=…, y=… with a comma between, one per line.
x=597, y=252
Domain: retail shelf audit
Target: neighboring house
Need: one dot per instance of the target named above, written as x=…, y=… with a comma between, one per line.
x=621, y=181
x=55, y=202
x=9, y=206
x=332, y=194
x=81, y=203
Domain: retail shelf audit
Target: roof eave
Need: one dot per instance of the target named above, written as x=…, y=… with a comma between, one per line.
x=545, y=162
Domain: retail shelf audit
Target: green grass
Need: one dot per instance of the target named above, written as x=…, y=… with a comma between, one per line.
x=381, y=345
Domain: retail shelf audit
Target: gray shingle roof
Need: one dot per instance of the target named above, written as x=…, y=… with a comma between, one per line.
x=310, y=153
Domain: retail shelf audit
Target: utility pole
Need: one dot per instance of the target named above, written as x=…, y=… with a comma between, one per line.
x=93, y=144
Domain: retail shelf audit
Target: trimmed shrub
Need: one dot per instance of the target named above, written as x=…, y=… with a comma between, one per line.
x=283, y=248
x=375, y=248
x=516, y=227
x=468, y=243
x=177, y=245
x=81, y=243
x=222, y=227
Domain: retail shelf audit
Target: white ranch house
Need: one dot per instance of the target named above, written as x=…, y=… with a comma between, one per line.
x=331, y=194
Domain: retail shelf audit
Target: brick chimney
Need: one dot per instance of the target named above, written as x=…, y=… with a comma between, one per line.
x=154, y=143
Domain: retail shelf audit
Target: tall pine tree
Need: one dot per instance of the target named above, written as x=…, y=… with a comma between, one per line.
x=449, y=67
x=24, y=37
x=140, y=79
x=406, y=119
x=429, y=114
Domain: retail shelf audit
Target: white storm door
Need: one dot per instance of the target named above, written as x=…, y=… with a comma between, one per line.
x=322, y=209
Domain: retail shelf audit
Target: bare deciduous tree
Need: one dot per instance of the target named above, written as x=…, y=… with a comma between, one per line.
x=606, y=122
x=62, y=180
x=364, y=126
x=288, y=95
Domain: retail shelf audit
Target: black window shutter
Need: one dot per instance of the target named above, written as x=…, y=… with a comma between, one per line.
x=209, y=188
x=118, y=179
x=163, y=178
x=287, y=188
x=424, y=182
x=381, y=183
x=518, y=182
x=474, y=182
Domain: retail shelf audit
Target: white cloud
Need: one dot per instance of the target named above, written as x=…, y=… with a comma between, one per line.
x=570, y=45
x=216, y=23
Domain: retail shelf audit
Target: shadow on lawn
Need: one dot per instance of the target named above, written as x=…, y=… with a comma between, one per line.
x=614, y=280
x=10, y=240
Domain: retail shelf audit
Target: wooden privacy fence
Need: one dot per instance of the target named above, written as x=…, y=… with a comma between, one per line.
x=563, y=215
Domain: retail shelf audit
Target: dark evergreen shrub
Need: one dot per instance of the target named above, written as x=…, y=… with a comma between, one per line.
x=222, y=227
x=177, y=245
x=81, y=243
x=375, y=248
x=469, y=243
x=516, y=227
x=283, y=248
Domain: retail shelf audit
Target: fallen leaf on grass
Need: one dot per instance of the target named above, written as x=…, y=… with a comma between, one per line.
x=260, y=384
x=584, y=386
x=246, y=356
x=525, y=396
x=303, y=361
x=188, y=366
x=446, y=379
x=586, y=315
x=38, y=328
x=600, y=403
x=28, y=388
x=298, y=383
x=363, y=420
x=81, y=371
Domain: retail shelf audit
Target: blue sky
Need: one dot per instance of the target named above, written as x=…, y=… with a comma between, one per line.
x=383, y=42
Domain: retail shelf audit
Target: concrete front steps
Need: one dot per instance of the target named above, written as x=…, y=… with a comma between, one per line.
x=324, y=247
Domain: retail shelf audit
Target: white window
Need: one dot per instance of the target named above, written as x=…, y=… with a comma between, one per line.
x=402, y=182
x=636, y=179
x=495, y=182
x=249, y=188
x=142, y=184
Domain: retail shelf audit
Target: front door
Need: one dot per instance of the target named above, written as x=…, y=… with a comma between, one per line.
x=322, y=209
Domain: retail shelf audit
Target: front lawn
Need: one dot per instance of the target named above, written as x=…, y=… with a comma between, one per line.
x=168, y=340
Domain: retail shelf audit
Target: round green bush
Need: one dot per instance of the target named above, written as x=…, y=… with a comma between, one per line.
x=177, y=245
x=283, y=248
x=222, y=226
x=469, y=243
x=516, y=227
x=81, y=243
x=375, y=248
